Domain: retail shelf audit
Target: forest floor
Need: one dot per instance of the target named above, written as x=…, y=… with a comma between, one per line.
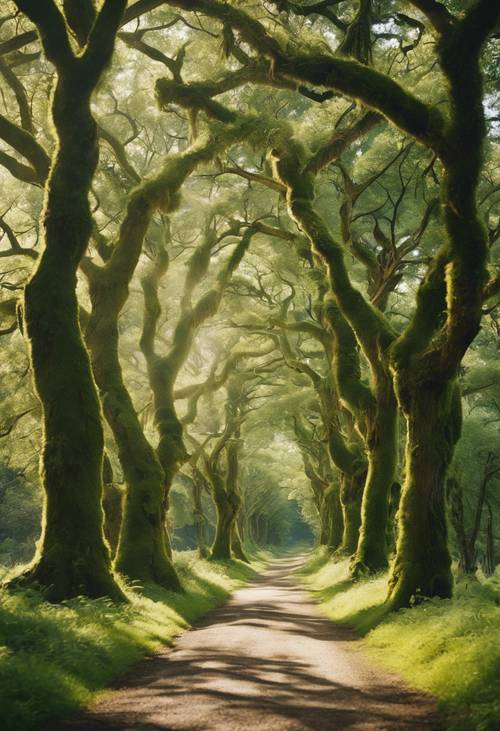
x=266, y=660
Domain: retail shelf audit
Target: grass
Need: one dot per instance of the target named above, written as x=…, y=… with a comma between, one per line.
x=54, y=658
x=449, y=647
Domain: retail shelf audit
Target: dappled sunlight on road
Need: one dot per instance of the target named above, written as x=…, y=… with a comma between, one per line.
x=267, y=660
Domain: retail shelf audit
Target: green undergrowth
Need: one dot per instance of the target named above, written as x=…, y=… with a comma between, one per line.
x=449, y=647
x=54, y=658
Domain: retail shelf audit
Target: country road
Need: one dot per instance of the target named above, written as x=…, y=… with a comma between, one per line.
x=267, y=660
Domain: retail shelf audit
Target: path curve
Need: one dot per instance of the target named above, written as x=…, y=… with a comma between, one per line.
x=266, y=661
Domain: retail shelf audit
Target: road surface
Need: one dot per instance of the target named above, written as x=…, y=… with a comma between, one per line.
x=266, y=661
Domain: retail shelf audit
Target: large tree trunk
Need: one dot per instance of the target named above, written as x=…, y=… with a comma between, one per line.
x=332, y=521
x=143, y=549
x=426, y=359
x=350, y=496
x=422, y=565
x=227, y=502
x=221, y=548
x=72, y=557
x=324, y=526
x=322, y=506
x=349, y=459
x=171, y=451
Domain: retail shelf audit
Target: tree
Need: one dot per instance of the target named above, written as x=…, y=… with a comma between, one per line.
x=73, y=557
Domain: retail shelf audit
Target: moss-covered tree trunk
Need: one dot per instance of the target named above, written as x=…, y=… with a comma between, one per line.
x=327, y=500
x=350, y=320
x=319, y=489
x=324, y=524
x=112, y=503
x=350, y=460
x=392, y=532
x=171, y=451
x=374, y=410
x=332, y=521
x=239, y=518
x=225, y=489
x=142, y=553
x=422, y=565
x=221, y=547
x=72, y=556
x=381, y=441
x=426, y=358
x=351, y=491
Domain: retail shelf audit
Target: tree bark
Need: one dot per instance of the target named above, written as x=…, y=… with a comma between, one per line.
x=422, y=566
x=350, y=496
x=381, y=439
x=221, y=547
x=142, y=553
x=72, y=556
x=334, y=520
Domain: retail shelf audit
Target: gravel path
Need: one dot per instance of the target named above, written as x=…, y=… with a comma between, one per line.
x=267, y=660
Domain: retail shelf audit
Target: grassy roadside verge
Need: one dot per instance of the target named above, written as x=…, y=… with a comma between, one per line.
x=54, y=658
x=447, y=647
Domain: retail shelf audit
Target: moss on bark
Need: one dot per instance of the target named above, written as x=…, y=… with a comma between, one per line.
x=351, y=492
x=331, y=516
x=422, y=565
x=72, y=556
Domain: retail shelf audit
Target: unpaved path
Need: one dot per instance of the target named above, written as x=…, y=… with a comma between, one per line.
x=266, y=660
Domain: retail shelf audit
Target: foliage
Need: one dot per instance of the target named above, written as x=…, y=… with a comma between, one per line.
x=297, y=198
x=19, y=517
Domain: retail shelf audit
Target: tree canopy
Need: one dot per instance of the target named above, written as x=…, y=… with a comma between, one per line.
x=250, y=286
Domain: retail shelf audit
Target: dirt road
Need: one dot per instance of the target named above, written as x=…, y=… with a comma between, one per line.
x=266, y=661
